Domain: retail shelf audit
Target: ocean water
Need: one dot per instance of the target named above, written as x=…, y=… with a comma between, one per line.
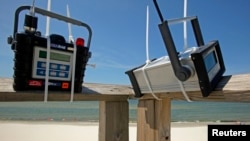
x=89, y=111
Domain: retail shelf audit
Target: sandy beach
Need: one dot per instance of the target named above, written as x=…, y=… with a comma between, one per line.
x=88, y=131
x=79, y=131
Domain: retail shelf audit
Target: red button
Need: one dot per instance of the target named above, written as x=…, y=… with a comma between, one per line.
x=65, y=85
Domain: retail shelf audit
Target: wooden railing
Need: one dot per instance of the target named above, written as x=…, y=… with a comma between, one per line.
x=153, y=116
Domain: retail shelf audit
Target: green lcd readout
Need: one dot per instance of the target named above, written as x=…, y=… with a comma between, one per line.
x=55, y=56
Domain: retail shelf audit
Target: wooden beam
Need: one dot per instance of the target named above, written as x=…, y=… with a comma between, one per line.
x=90, y=92
x=233, y=88
x=153, y=116
x=113, y=105
x=34, y=96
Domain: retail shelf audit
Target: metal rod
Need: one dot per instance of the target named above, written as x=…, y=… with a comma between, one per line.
x=73, y=73
x=185, y=26
x=47, y=70
x=147, y=25
x=197, y=32
x=48, y=19
x=158, y=10
x=181, y=20
x=71, y=39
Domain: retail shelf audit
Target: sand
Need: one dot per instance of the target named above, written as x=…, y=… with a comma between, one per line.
x=79, y=131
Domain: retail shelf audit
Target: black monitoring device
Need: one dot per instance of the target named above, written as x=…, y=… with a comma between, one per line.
x=205, y=62
x=30, y=50
x=209, y=66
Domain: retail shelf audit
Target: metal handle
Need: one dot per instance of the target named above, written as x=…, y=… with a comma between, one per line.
x=181, y=72
x=52, y=15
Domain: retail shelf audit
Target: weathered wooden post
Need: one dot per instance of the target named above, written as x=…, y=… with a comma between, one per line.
x=154, y=120
x=113, y=121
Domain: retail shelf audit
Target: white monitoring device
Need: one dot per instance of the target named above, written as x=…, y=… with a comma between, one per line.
x=198, y=68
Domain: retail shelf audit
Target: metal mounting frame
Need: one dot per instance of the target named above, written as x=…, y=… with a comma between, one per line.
x=181, y=72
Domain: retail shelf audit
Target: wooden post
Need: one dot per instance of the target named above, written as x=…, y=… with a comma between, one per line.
x=113, y=121
x=154, y=120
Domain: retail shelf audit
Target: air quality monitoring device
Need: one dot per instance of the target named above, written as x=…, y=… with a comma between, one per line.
x=197, y=68
x=31, y=51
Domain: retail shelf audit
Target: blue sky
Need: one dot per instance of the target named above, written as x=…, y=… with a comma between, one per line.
x=118, y=42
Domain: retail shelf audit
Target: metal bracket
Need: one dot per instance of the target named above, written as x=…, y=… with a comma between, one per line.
x=181, y=72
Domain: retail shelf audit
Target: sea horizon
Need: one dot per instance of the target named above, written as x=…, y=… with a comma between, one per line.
x=88, y=111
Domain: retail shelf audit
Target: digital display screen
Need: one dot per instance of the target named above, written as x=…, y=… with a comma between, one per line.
x=54, y=56
x=210, y=61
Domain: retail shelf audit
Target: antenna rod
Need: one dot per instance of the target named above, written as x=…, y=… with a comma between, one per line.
x=32, y=9
x=48, y=56
x=158, y=11
x=147, y=26
x=48, y=19
x=74, y=58
x=69, y=25
x=185, y=26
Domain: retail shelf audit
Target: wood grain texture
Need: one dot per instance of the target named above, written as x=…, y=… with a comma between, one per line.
x=153, y=120
x=232, y=88
x=90, y=92
x=113, y=121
